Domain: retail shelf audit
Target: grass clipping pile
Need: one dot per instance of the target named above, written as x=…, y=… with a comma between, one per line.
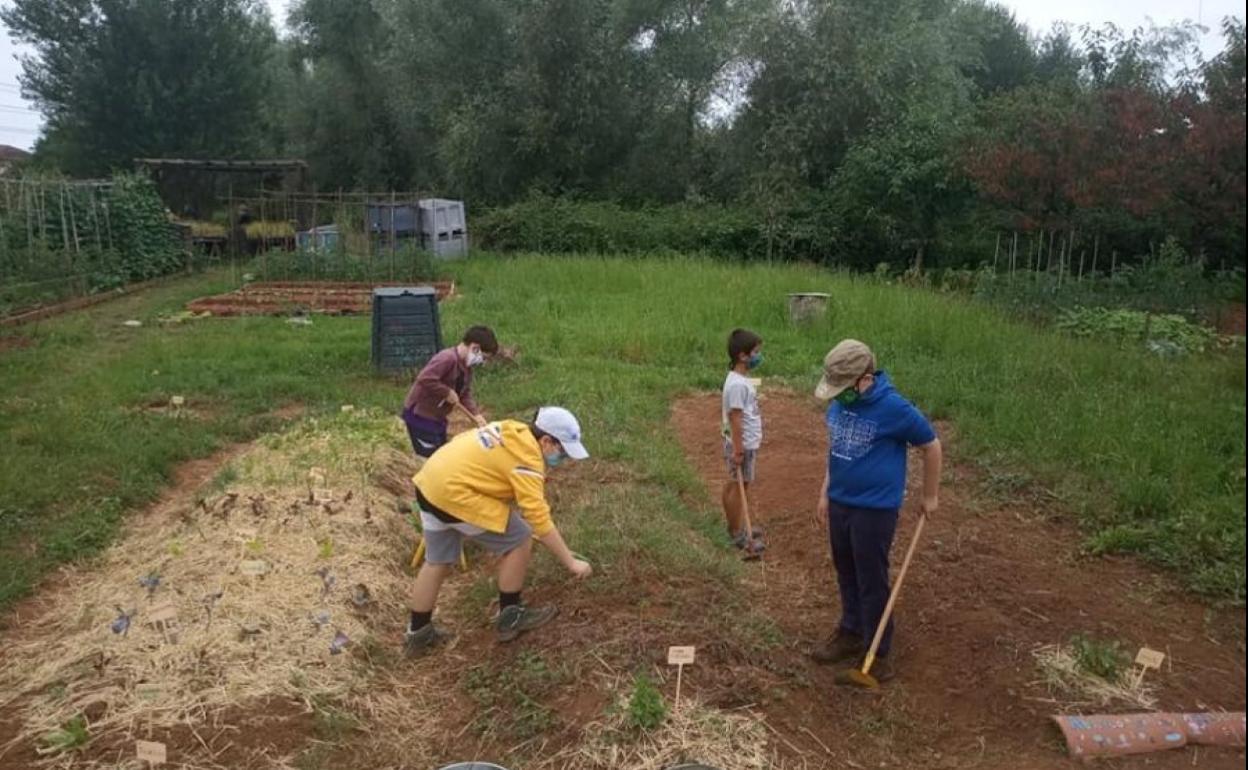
x=269, y=585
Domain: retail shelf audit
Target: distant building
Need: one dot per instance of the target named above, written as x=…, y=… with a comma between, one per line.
x=11, y=159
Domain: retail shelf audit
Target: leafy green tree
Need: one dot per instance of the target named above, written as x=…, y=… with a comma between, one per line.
x=119, y=79
x=342, y=112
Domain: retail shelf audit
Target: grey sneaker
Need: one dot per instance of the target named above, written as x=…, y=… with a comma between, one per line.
x=417, y=643
x=519, y=618
x=758, y=545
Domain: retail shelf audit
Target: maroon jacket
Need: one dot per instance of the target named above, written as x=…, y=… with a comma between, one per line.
x=442, y=374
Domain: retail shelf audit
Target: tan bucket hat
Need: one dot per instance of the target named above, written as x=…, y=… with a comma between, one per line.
x=842, y=367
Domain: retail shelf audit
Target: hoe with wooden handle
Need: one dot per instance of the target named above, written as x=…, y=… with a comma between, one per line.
x=751, y=553
x=862, y=677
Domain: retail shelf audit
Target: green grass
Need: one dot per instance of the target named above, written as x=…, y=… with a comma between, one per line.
x=1148, y=453
x=80, y=448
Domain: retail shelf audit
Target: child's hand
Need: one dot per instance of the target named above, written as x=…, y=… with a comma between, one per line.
x=480, y=420
x=452, y=398
x=580, y=569
x=738, y=458
x=821, y=512
x=929, y=505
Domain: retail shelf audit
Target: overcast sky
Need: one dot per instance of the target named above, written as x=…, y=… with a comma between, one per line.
x=19, y=123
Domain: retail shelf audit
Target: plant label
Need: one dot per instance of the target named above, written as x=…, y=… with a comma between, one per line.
x=680, y=656
x=149, y=690
x=177, y=401
x=152, y=752
x=244, y=535
x=254, y=567
x=163, y=614
x=1150, y=658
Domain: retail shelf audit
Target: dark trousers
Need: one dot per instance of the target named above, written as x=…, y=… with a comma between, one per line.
x=426, y=435
x=861, y=539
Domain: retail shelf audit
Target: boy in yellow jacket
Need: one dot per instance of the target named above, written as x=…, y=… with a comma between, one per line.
x=466, y=490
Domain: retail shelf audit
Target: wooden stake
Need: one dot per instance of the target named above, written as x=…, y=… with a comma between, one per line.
x=1014, y=255
x=73, y=220
x=60, y=196
x=108, y=223
x=996, y=253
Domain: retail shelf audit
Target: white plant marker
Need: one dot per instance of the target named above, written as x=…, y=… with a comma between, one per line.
x=1147, y=659
x=680, y=657
x=151, y=752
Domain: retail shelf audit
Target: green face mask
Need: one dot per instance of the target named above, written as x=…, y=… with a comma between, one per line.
x=848, y=396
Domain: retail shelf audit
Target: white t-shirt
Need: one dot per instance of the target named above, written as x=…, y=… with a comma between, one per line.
x=740, y=393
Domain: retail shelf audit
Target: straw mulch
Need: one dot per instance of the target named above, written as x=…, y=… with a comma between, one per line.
x=274, y=584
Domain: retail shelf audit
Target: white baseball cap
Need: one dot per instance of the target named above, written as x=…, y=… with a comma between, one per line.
x=563, y=427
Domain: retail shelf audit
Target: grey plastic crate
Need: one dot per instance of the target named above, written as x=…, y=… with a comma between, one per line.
x=323, y=238
x=443, y=227
x=407, y=330
x=405, y=218
x=439, y=215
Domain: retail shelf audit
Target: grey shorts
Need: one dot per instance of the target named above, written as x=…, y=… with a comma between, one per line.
x=751, y=458
x=444, y=542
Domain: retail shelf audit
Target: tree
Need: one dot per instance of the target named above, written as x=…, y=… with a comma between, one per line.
x=343, y=110
x=118, y=79
x=903, y=179
x=1002, y=57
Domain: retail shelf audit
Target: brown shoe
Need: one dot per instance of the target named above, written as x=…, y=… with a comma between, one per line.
x=840, y=647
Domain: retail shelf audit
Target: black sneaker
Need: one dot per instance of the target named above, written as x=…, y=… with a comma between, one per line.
x=840, y=647
x=421, y=641
x=518, y=618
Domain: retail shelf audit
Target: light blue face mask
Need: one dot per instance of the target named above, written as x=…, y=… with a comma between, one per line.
x=553, y=459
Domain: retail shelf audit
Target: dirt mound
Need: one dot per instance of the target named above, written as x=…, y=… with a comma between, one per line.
x=994, y=580
x=257, y=584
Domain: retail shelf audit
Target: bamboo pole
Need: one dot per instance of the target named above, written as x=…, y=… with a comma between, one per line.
x=73, y=222
x=996, y=253
x=1014, y=255
x=28, y=206
x=60, y=197
x=313, y=231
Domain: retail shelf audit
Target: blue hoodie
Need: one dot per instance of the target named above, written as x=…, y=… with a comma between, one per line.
x=867, y=447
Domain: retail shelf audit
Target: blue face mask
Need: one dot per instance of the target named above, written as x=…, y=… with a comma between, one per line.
x=756, y=360
x=553, y=459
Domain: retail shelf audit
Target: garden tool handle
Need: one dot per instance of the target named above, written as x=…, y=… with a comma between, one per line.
x=745, y=509
x=869, y=660
x=467, y=412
